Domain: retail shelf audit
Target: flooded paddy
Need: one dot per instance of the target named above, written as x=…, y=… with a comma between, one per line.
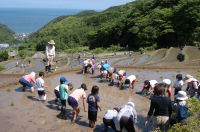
x=28, y=114
x=11, y=64
x=38, y=66
x=141, y=60
x=125, y=62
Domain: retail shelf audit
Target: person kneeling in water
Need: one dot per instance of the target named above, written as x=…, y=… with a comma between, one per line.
x=131, y=81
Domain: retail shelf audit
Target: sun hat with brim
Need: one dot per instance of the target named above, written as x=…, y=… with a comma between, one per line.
x=188, y=78
x=167, y=81
x=181, y=95
x=51, y=42
x=63, y=79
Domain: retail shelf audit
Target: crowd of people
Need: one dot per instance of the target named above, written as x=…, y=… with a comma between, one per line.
x=163, y=110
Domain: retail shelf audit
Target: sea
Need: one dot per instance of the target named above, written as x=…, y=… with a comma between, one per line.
x=27, y=20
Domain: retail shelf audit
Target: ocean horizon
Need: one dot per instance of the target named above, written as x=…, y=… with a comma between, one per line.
x=29, y=20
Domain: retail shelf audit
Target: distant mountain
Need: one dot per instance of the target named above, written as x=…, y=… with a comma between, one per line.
x=142, y=23
x=6, y=34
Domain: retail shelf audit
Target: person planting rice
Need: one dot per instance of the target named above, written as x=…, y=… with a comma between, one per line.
x=197, y=94
x=93, y=101
x=126, y=118
x=40, y=86
x=111, y=72
x=168, y=83
x=74, y=98
x=130, y=80
x=27, y=80
x=57, y=92
x=50, y=55
x=108, y=118
x=121, y=77
x=104, y=71
x=89, y=63
x=178, y=84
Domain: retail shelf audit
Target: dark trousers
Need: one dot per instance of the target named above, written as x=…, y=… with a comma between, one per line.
x=127, y=122
x=109, y=122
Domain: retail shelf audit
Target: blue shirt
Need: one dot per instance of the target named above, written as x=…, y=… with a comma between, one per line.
x=106, y=66
x=92, y=102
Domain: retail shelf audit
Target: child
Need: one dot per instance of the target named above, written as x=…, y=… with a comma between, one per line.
x=168, y=83
x=27, y=80
x=93, y=101
x=178, y=84
x=73, y=99
x=121, y=77
x=57, y=93
x=40, y=86
x=131, y=81
x=108, y=118
x=64, y=90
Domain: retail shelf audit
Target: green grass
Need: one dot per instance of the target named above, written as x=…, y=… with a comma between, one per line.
x=161, y=77
x=198, y=70
x=2, y=68
x=198, y=75
x=12, y=104
x=137, y=76
x=9, y=89
x=137, y=81
x=173, y=75
x=157, y=71
x=178, y=71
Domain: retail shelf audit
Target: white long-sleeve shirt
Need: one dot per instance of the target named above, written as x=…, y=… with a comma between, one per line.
x=50, y=50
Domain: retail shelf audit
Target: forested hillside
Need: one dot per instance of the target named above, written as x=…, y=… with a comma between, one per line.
x=6, y=34
x=142, y=23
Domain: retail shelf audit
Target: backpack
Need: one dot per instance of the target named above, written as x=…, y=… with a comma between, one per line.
x=182, y=112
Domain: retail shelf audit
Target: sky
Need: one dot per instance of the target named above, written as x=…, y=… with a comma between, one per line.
x=68, y=4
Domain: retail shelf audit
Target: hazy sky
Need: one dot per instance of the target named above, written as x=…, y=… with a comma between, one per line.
x=70, y=4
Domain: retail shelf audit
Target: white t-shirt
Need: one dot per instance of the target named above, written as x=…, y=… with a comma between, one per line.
x=39, y=83
x=153, y=82
x=110, y=114
x=85, y=63
x=57, y=87
x=131, y=78
x=178, y=83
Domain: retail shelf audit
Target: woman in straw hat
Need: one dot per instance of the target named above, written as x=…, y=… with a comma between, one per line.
x=50, y=55
x=192, y=84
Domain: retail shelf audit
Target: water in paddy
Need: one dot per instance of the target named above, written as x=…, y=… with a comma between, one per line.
x=141, y=60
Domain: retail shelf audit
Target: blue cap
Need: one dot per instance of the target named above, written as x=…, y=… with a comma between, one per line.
x=70, y=84
x=63, y=79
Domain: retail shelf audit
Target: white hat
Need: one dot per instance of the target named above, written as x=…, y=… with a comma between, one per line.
x=51, y=42
x=167, y=81
x=181, y=95
x=32, y=73
x=131, y=104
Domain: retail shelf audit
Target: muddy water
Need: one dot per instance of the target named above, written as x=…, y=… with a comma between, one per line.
x=11, y=64
x=125, y=62
x=76, y=62
x=27, y=114
x=112, y=60
x=142, y=59
x=14, y=69
x=38, y=66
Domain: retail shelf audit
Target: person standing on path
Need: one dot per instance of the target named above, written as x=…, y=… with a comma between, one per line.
x=50, y=55
x=160, y=108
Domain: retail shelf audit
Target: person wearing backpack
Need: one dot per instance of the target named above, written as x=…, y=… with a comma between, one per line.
x=180, y=107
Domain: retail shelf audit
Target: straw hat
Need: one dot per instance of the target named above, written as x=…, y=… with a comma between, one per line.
x=181, y=96
x=188, y=78
x=51, y=42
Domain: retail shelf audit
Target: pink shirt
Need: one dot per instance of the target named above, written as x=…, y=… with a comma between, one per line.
x=78, y=94
x=29, y=78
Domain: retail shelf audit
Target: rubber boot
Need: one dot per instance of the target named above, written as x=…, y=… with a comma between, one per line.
x=49, y=68
x=46, y=68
